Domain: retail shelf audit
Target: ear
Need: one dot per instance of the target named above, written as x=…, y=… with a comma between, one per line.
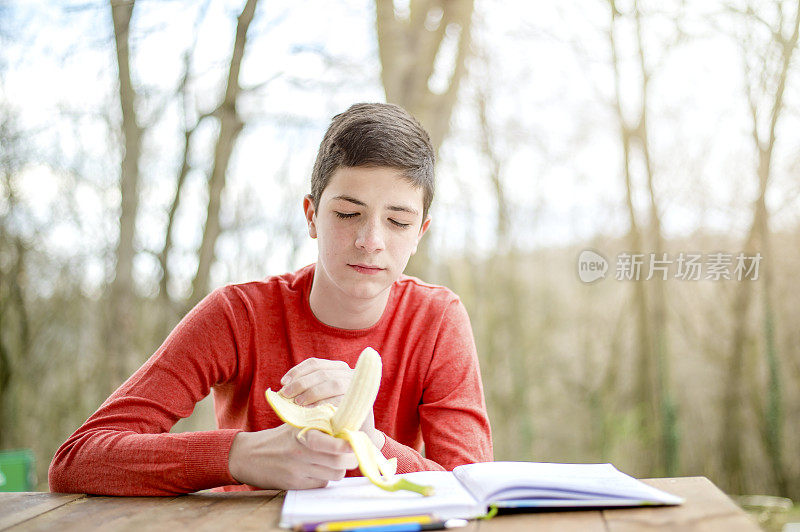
x=422, y=230
x=311, y=215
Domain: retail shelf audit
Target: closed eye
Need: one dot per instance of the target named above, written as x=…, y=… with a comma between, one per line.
x=345, y=215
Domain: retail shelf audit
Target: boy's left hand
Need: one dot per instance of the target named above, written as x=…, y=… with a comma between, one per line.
x=317, y=380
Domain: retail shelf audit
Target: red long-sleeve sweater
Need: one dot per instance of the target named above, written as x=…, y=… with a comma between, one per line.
x=241, y=340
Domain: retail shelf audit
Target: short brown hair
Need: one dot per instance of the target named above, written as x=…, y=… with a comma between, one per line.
x=376, y=134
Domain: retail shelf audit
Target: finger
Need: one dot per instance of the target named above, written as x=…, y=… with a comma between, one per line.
x=309, y=365
x=306, y=366
x=318, y=385
x=350, y=461
x=307, y=483
x=324, y=391
x=327, y=451
x=302, y=383
x=369, y=422
x=322, y=467
x=334, y=462
x=325, y=474
x=335, y=401
x=320, y=442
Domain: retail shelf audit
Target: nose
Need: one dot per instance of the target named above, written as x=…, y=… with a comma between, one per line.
x=370, y=236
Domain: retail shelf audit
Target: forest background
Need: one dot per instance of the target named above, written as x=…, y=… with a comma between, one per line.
x=152, y=151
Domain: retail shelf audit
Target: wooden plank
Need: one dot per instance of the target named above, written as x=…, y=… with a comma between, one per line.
x=256, y=510
x=203, y=511
x=265, y=517
x=18, y=507
x=706, y=508
x=92, y=512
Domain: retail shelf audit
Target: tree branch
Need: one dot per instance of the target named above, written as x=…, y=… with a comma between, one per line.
x=230, y=127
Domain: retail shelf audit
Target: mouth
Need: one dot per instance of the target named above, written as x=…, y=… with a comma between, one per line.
x=366, y=269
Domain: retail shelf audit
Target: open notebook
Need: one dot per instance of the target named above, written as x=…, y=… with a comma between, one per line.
x=470, y=490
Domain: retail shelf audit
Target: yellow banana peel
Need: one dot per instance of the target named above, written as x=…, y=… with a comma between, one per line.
x=345, y=421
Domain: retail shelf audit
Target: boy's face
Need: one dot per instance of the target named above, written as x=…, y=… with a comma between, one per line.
x=367, y=225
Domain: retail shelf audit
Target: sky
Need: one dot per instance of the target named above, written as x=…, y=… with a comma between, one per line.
x=543, y=65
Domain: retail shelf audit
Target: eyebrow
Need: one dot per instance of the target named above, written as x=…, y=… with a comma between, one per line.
x=398, y=208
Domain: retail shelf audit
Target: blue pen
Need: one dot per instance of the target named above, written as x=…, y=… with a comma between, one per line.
x=413, y=527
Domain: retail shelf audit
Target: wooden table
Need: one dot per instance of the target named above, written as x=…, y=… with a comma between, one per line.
x=706, y=508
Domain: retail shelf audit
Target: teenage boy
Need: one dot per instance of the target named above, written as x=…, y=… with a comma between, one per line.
x=301, y=333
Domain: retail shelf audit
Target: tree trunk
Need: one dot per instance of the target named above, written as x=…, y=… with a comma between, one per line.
x=758, y=240
x=505, y=305
x=408, y=49
x=230, y=125
x=773, y=420
x=12, y=301
x=643, y=393
x=659, y=380
x=121, y=322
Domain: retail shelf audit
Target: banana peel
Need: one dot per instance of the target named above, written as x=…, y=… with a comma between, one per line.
x=346, y=421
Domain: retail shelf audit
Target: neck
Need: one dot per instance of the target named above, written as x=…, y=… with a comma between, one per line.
x=336, y=309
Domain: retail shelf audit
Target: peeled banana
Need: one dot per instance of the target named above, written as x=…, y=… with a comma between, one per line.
x=346, y=420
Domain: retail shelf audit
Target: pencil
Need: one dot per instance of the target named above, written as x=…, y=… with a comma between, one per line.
x=413, y=527
x=354, y=524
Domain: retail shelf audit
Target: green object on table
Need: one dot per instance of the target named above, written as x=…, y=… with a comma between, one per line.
x=17, y=470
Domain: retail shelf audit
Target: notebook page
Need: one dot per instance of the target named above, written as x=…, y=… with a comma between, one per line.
x=488, y=481
x=356, y=497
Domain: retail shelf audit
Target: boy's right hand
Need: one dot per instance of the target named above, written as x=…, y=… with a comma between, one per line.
x=277, y=459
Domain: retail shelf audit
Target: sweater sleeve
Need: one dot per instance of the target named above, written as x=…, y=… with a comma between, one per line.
x=453, y=419
x=125, y=447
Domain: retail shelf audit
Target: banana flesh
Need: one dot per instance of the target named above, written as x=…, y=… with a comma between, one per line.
x=345, y=421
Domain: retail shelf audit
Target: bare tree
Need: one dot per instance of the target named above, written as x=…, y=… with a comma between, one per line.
x=230, y=125
x=652, y=389
x=409, y=47
x=121, y=320
x=170, y=309
x=765, y=88
x=408, y=51
x=668, y=432
x=502, y=300
x=15, y=323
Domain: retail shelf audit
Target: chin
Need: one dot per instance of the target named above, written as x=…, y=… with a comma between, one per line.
x=367, y=289
x=367, y=292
